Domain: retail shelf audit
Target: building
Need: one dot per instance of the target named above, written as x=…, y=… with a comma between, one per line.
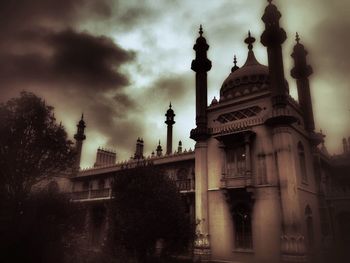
x=259, y=183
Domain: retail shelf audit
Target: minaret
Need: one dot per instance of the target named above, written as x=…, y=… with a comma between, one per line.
x=201, y=65
x=169, y=122
x=79, y=138
x=301, y=73
x=179, y=147
x=292, y=242
x=159, y=149
x=273, y=38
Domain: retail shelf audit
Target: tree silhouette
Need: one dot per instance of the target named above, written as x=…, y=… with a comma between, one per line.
x=146, y=208
x=32, y=145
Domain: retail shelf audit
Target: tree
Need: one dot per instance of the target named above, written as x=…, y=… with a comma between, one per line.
x=32, y=145
x=43, y=232
x=146, y=208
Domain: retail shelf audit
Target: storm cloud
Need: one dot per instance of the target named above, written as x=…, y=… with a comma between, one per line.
x=122, y=62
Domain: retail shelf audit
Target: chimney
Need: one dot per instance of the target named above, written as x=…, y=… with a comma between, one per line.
x=179, y=147
x=345, y=146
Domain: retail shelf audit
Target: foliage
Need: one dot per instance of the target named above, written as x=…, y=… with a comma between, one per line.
x=146, y=208
x=42, y=231
x=32, y=145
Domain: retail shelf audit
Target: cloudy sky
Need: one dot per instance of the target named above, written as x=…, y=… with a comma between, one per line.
x=121, y=62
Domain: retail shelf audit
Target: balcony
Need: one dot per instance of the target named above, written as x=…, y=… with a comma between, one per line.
x=185, y=186
x=92, y=194
x=234, y=178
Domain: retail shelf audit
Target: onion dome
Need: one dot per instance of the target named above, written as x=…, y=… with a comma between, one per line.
x=170, y=116
x=214, y=101
x=251, y=76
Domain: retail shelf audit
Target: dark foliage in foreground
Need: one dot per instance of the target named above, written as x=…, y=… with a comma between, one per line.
x=33, y=146
x=147, y=210
x=42, y=231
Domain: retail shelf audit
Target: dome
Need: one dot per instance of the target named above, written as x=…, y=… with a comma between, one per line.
x=250, y=77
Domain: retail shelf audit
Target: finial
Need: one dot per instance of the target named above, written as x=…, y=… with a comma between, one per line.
x=249, y=40
x=200, y=30
x=170, y=105
x=159, y=142
x=82, y=116
x=235, y=60
x=297, y=38
x=269, y=1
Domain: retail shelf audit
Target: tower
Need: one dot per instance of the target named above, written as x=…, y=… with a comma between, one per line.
x=301, y=73
x=79, y=138
x=169, y=122
x=159, y=149
x=283, y=137
x=201, y=65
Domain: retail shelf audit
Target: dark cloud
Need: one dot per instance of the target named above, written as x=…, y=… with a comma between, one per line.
x=92, y=60
x=77, y=58
x=169, y=87
x=45, y=51
x=18, y=15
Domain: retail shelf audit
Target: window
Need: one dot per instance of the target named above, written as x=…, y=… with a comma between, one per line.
x=86, y=186
x=309, y=226
x=243, y=226
x=302, y=162
x=101, y=184
x=236, y=161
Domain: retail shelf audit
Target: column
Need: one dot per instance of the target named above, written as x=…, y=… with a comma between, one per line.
x=201, y=244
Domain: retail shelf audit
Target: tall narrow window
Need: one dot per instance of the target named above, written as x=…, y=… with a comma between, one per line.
x=309, y=226
x=243, y=226
x=302, y=162
x=236, y=161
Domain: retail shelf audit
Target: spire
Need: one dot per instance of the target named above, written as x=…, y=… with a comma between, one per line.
x=200, y=30
x=297, y=38
x=80, y=136
x=249, y=40
x=235, y=67
x=170, y=122
x=159, y=149
x=251, y=59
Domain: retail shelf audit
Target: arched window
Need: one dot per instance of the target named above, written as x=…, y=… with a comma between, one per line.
x=302, y=162
x=243, y=226
x=309, y=226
